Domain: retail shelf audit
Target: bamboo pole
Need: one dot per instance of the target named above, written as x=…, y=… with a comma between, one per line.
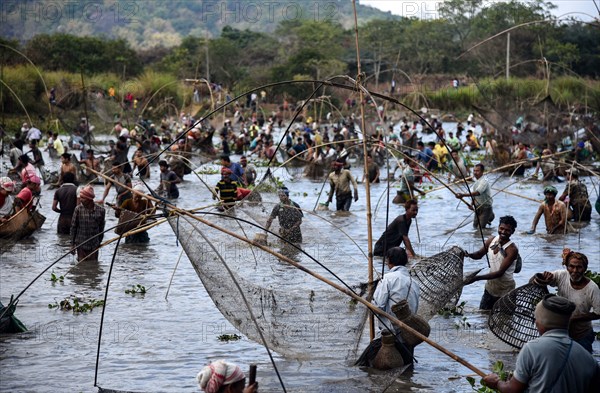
x=299, y=266
x=517, y=195
x=366, y=174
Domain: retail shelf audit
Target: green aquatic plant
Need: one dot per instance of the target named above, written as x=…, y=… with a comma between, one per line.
x=455, y=311
x=480, y=387
x=229, y=337
x=136, y=289
x=54, y=278
x=77, y=305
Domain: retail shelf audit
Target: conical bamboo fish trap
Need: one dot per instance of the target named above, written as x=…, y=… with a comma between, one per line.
x=512, y=318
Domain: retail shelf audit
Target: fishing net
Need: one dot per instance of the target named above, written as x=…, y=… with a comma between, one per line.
x=440, y=280
x=299, y=316
x=512, y=318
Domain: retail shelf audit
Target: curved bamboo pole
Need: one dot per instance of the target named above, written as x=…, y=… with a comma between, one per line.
x=38, y=72
x=18, y=99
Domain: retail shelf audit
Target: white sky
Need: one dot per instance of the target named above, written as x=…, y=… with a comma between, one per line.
x=427, y=8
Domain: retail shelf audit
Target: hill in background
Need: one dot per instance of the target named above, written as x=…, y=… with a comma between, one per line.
x=146, y=24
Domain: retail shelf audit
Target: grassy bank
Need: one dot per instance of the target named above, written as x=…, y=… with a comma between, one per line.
x=24, y=95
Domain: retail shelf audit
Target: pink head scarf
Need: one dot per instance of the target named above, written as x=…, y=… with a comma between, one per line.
x=217, y=374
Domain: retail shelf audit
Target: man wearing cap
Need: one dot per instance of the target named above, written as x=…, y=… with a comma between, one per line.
x=64, y=203
x=168, y=181
x=7, y=186
x=226, y=189
x=339, y=182
x=290, y=217
x=119, y=177
x=573, y=285
x=555, y=213
x=579, y=201
x=552, y=362
x=87, y=226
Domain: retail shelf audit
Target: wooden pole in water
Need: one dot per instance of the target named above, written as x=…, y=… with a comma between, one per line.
x=297, y=265
x=366, y=172
x=87, y=118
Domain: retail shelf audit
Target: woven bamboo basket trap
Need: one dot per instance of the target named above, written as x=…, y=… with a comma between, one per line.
x=512, y=318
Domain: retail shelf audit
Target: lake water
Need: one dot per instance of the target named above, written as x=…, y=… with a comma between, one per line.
x=158, y=344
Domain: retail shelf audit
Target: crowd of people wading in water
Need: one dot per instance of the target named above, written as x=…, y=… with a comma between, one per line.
x=324, y=149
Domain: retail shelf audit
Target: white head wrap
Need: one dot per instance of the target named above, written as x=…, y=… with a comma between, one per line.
x=219, y=373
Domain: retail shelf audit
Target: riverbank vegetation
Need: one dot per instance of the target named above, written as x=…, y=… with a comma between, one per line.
x=549, y=58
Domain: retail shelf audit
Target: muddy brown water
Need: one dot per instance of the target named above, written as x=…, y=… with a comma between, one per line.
x=155, y=344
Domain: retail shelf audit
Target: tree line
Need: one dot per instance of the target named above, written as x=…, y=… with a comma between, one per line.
x=303, y=48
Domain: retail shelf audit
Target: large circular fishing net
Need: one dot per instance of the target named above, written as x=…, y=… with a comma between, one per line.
x=512, y=318
x=299, y=316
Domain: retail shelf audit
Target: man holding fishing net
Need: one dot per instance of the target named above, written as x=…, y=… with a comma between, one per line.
x=482, y=199
x=339, y=181
x=397, y=232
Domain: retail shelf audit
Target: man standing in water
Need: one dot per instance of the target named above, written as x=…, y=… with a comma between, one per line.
x=579, y=201
x=339, y=181
x=502, y=254
x=64, y=203
x=555, y=213
x=290, y=217
x=87, y=227
x=407, y=181
x=397, y=232
x=482, y=199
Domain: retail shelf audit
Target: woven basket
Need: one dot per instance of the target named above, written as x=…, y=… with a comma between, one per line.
x=417, y=322
x=512, y=318
x=440, y=279
x=388, y=356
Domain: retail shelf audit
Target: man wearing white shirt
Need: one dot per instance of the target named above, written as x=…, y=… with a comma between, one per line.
x=395, y=285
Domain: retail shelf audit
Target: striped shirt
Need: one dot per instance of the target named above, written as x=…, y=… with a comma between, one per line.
x=88, y=223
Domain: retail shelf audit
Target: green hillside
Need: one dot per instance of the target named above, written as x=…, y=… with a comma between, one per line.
x=147, y=24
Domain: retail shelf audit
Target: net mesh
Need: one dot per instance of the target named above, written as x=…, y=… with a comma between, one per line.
x=512, y=318
x=440, y=280
x=299, y=316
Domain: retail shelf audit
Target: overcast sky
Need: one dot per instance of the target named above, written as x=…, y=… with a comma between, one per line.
x=427, y=8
